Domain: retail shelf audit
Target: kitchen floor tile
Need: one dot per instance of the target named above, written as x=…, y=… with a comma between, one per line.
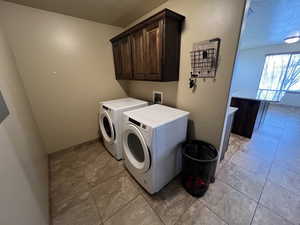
x=246, y=182
x=262, y=147
x=292, y=164
x=285, y=178
x=251, y=163
x=282, y=202
x=264, y=216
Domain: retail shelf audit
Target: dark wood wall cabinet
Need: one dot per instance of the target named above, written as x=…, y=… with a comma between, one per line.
x=150, y=50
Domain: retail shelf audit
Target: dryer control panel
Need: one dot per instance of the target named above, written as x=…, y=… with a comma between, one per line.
x=106, y=108
x=139, y=124
x=134, y=122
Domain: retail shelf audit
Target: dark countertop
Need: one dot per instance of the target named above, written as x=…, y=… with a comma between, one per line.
x=231, y=110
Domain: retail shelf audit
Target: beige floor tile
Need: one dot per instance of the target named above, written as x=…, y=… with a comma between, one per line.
x=264, y=216
x=285, y=178
x=251, y=163
x=137, y=212
x=199, y=214
x=270, y=131
x=170, y=202
x=274, y=120
x=87, y=153
x=113, y=194
x=282, y=202
x=103, y=168
x=79, y=211
x=288, y=151
x=246, y=182
x=61, y=160
x=134, y=182
x=292, y=164
x=263, y=147
x=229, y=204
x=293, y=122
x=66, y=184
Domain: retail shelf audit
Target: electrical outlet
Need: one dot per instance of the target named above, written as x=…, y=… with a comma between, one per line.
x=157, y=97
x=3, y=109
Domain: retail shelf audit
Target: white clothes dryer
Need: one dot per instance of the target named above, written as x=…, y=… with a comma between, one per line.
x=152, y=141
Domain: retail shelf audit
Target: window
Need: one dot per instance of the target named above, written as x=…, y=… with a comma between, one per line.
x=281, y=73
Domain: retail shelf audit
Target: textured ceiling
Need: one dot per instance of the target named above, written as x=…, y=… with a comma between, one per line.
x=270, y=21
x=113, y=12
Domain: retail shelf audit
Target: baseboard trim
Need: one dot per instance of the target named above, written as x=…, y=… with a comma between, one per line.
x=75, y=147
x=49, y=192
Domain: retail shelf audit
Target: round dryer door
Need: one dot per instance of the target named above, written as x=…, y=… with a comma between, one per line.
x=106, y=127
x=135, y=149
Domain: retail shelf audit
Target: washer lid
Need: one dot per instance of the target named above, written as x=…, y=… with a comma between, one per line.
x=156, y=115
x=123, y=103
x=135, y=149
x=107, y=127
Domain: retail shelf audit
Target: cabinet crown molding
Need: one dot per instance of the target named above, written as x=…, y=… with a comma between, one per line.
x=160, y=15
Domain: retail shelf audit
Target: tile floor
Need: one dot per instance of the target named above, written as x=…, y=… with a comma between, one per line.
x=257, y=183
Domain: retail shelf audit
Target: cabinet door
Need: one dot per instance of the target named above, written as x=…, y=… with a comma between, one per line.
x=138, y=55
x=126, y=58
x=117, y=59
x=153, y=51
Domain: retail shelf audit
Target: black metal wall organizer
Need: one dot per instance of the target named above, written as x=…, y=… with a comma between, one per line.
x=204, y=60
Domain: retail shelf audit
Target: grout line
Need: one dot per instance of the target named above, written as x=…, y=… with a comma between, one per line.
x=153, y=209
x=208, y=207
x=268, y=174
x=97, y=209
x=104, y=181
x=234, y=188
x=75, y=147
x=244, y=194
x=187, y=208
x=49, y=191
x=76, y=194
x=92, y=196
x=283, y=218
x=140, y=192
x=123, y=207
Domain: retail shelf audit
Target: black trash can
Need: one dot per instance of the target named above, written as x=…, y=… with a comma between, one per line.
x=199, y=162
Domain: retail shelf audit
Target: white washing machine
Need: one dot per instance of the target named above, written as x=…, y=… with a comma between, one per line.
x=152, y=141
x=110, y=121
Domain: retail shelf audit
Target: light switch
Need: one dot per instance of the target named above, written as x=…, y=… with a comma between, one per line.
x=3, y=109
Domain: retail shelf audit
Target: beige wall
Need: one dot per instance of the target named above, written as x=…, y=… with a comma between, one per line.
x=23, y=161
x=66, y=65
x=205, y=19
x=143, y=90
